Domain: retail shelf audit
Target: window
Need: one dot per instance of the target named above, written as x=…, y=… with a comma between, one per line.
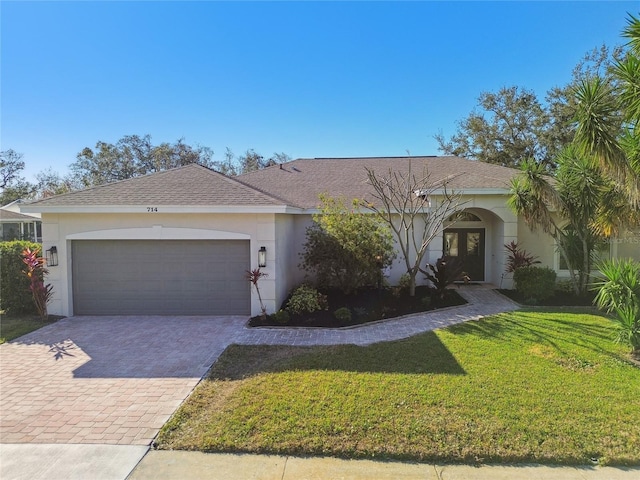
x=464, y=217
x=11, y=231
x=473, y=244
x=601, y=252
x=451, y=244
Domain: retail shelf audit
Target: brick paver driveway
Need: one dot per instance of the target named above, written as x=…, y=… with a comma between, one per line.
x=117, y=380
x=109, y=380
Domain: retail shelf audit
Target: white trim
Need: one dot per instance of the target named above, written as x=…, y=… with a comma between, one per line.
x=158, y=209
x=472, y=191
x=158, y=232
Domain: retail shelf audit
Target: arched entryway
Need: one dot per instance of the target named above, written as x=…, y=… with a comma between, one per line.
x=476, y=237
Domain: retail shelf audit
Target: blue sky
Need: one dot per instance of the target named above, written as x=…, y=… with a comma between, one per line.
x=311, y=79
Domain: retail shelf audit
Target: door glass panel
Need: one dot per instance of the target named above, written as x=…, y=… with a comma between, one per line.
x=473, y=244
x=451, y=244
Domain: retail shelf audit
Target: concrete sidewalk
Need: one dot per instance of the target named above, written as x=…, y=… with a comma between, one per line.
x=41, y=461
x=173, y=465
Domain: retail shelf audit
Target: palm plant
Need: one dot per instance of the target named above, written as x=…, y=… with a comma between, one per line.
x=566, y=208
x=619, y=293
x=608, y=117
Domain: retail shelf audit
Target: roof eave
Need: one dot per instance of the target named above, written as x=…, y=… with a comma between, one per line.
x=472, y=191
x=159, y=209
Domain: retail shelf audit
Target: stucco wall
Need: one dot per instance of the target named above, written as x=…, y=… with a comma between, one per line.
x=61, y=229
x=500, y=227
x=627, y=245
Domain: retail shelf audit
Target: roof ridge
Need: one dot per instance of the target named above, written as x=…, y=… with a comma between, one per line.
x=250, y=187
x=376, y=157
x=266, y=194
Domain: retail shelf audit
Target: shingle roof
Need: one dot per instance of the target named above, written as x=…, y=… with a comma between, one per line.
x=191, y=185
x=299, y=182
x=296, y=184
x=9, y=215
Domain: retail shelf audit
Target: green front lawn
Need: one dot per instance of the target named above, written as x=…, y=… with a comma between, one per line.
x=14, y=326
x=519, y=387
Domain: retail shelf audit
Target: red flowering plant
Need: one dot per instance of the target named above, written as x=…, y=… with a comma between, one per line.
x=254, y=276
x=36, y=271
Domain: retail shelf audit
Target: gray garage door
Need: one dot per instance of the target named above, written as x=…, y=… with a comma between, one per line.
x=160, y=277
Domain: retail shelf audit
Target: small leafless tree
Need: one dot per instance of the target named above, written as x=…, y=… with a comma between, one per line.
x=415, y=209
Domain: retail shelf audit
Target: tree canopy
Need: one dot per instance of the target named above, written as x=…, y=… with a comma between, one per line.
x=12, y=185
x=133, y=156
x=513, y=125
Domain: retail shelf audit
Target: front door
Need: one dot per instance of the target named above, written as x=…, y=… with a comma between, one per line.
x=466, y=244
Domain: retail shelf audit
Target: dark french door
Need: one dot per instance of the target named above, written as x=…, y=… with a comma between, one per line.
x=467, y=244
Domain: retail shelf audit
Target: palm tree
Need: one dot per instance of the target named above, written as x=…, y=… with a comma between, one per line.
x=575, y=208
x=608, y=117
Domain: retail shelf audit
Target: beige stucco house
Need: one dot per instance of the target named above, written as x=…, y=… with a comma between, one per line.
x=179, y=242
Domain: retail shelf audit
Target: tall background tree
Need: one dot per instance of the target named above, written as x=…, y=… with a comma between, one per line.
x=133, y=156
x=12, y=185
x=513, y=125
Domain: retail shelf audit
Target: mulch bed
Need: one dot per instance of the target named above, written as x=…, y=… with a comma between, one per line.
x=559, y=299
x=367, y=305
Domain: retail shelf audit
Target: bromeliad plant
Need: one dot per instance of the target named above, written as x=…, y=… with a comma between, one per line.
x=619, y=293
x=36, y=272
x=254, y=277
x=446, y=271
x=518, y=257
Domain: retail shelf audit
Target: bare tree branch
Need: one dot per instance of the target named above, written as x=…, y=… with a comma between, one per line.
x=415, y=209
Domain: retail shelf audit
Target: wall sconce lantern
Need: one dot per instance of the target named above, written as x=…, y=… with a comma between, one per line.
x=262, y=257
x=51, y=256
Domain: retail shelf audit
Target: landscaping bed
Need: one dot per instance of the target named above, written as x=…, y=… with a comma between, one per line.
x=367, y=305
x=522, y=387
x=558, y=299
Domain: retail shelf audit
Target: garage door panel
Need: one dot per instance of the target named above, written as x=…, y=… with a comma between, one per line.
x=161, y=277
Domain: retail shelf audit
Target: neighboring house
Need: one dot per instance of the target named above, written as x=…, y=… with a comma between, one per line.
x=18, y=226
x=179, y=242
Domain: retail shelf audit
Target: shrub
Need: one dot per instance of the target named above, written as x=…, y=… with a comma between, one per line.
x=535, y=284
x=343, y=314
x=15, y=296
x=281, y=317
x=306, y=299
x=426, y=302
x=403, y=285
x=346, y=248
x=565, y=287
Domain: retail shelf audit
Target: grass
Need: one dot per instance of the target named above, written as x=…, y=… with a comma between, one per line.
x=14, y=326
x=527, y=386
